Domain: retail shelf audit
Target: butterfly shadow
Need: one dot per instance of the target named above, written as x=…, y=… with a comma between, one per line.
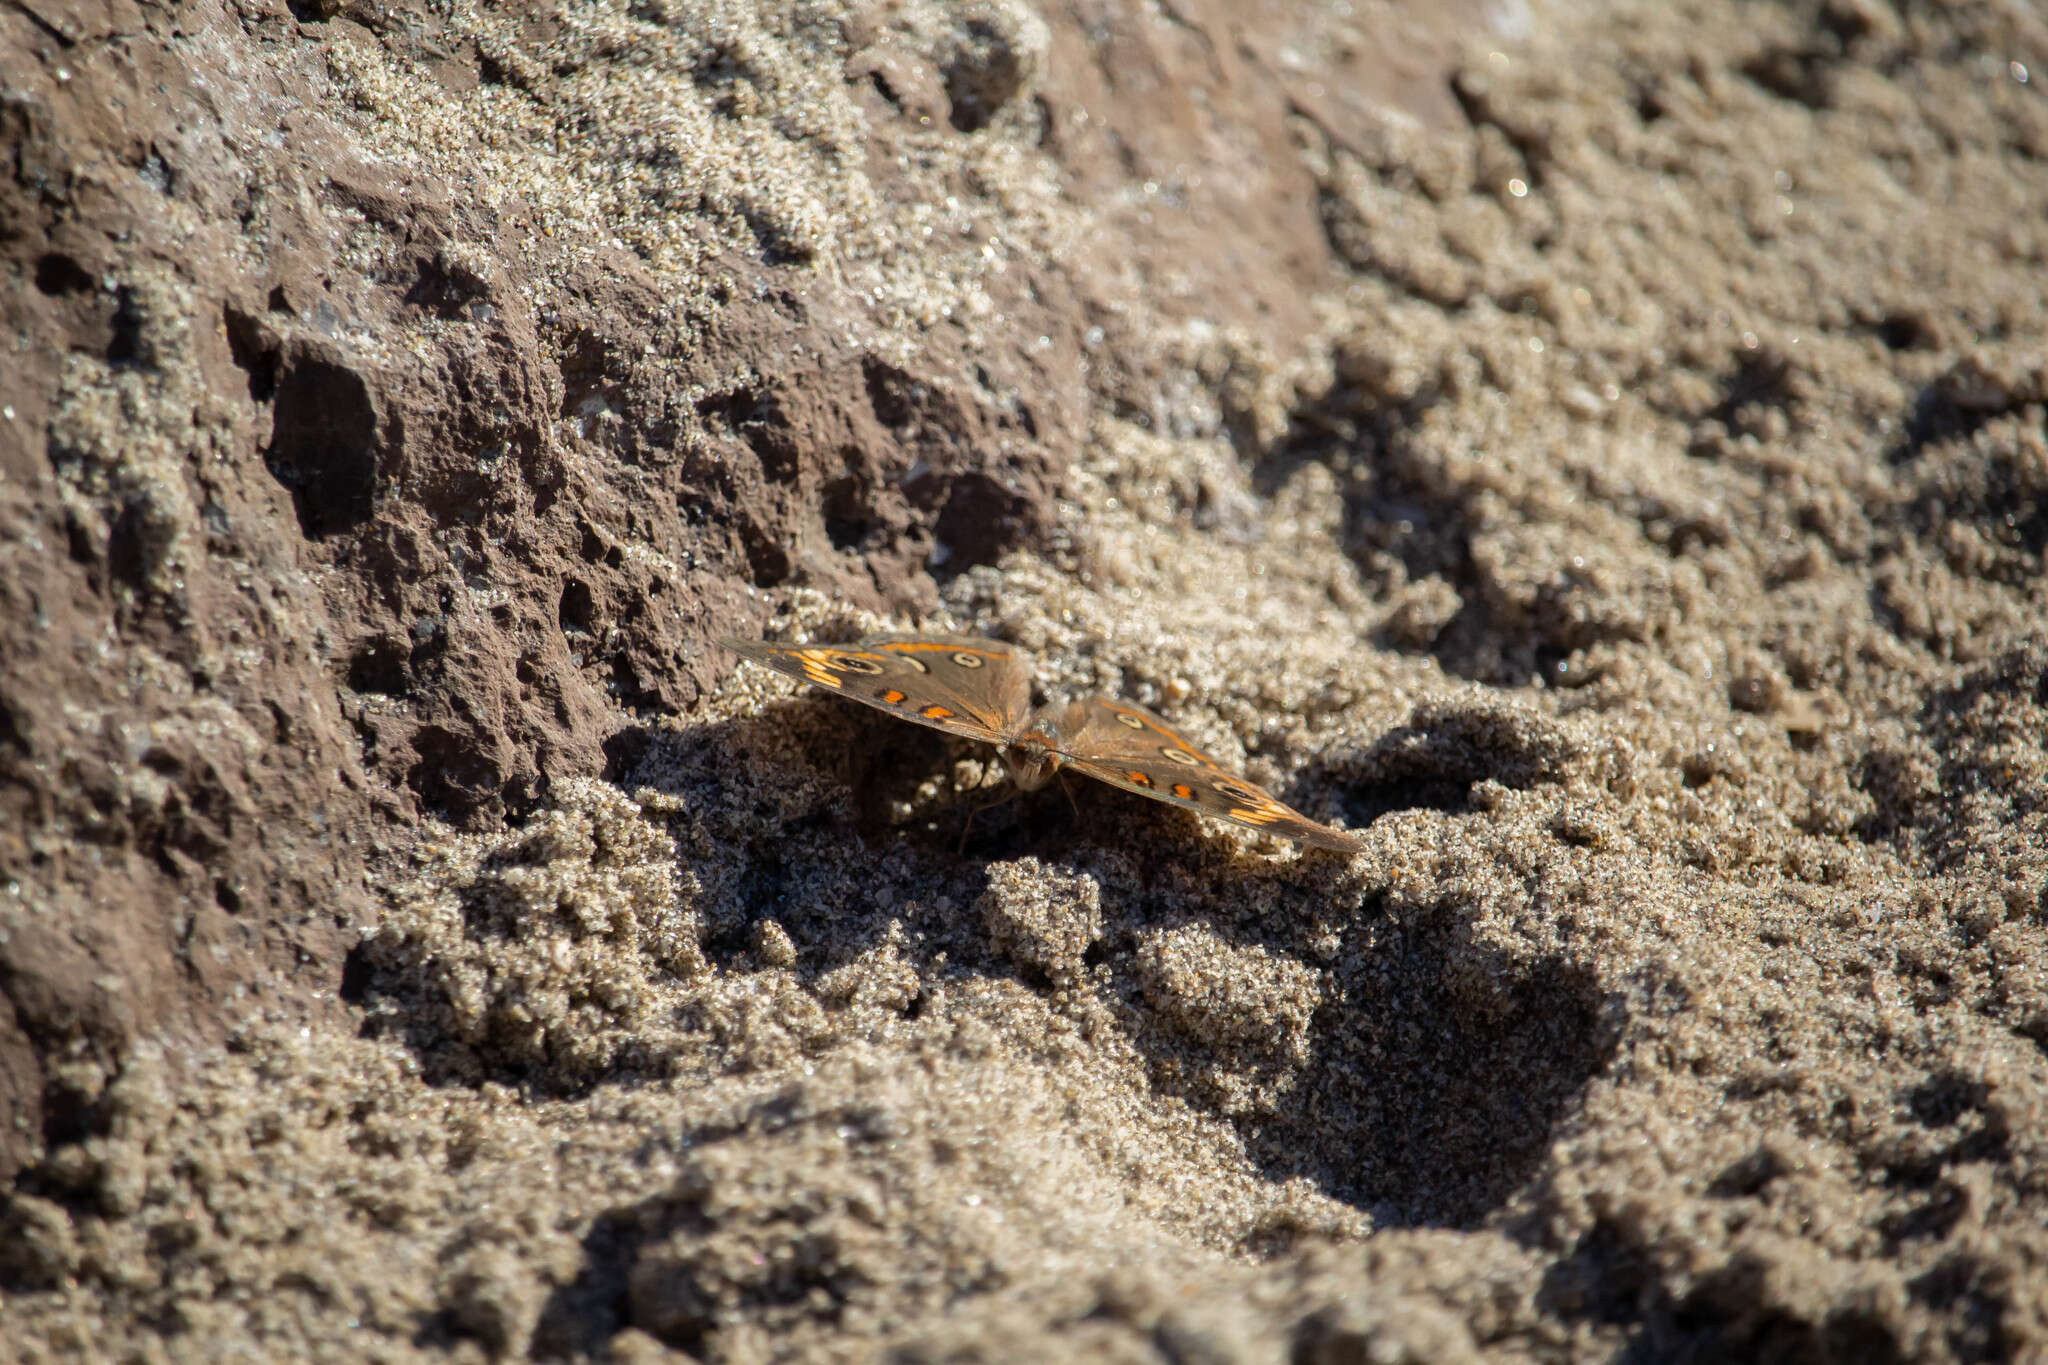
x=1427, y=1083
x=1421, y=1082
x=1439, y=1069
x=1424, y=1086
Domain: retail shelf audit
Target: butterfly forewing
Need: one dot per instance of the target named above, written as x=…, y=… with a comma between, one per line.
x=972, y=687
x=1129, y=747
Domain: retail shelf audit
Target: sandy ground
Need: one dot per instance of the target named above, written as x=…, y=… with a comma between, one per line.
x=1597, y=452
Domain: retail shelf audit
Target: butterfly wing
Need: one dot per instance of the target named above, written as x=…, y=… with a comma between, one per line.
x=1129, y=747
x=973, y=687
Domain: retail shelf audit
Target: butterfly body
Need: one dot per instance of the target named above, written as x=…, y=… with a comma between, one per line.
x=981, y=689
x=1034, y=757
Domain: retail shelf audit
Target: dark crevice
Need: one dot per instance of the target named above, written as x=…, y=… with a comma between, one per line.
x=325, y=446
x=125, y=345
x=893, y=395
x=356, y=975
x=381, y=667
x=253, y=352
x=576, y=611
x=1803, y=75
x=58, y=275
x=1760, y=382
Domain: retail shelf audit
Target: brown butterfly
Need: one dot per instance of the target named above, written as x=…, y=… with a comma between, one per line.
x=982, y=689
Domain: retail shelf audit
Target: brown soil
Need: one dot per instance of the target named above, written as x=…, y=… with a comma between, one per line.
x=1603, y=456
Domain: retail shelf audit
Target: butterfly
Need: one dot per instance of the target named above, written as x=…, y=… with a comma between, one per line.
x=982, y=689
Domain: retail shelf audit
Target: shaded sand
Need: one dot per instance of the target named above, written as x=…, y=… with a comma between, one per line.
x=1635, y=526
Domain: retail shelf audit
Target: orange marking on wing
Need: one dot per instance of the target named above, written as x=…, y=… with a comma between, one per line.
x=1183, y=791
x=817, y=666
x=1258, y=816
x=892, y=696
x=1138, y=779
x=936, y=713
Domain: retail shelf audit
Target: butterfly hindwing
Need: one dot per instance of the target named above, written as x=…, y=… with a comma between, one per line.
x=1130, y=747
x=972, y=687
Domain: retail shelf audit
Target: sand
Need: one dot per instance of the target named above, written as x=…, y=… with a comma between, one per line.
x=1597, y=452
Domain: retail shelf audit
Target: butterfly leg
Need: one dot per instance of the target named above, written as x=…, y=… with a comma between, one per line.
x=1068, y=792
x=1007, y=794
